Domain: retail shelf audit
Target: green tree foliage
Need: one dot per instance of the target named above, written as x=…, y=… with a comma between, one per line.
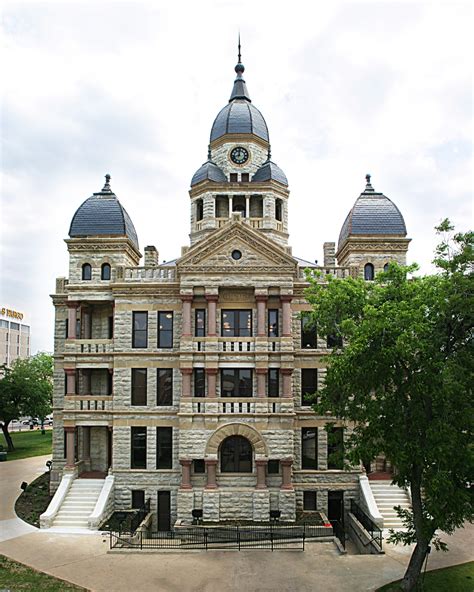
x=404, y=377
x=25, y=389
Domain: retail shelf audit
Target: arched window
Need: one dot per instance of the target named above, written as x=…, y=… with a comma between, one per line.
x=278, y=210
x=105, y=272
x=385, y=267
x=236, y=455
x=199, y=210
x=86, y=272
x=368, y=272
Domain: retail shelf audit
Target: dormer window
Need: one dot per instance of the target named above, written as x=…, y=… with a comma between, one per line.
x=86, y=271
x=233, y=177
x=369, y=272
x=244, y=177
x=105, y=272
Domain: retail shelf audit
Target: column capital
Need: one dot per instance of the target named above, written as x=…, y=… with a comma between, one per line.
x=69, y=429
x=72, y=304
x=186, y=370
x=211, y=370
x=186, y=297
x=286, y=297
x=185, y=462
x=286, y=462
x=210, y=462
x=261, y=462
x=286, y=371
x=261, y=297
x=70, y=371
x=261, y=370
x=212, y=297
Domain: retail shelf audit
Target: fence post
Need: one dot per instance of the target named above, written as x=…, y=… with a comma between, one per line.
x=205, y=538
x=304, y=535
x=271, y=535
x=238, y=536
x=141, y=540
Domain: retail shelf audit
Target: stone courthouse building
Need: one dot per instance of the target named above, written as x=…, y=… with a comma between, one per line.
x=190, y=382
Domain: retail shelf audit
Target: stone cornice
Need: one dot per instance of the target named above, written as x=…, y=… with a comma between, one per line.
x=109, y=243
x=383, y=243
x=239, y=188
x=239, y=138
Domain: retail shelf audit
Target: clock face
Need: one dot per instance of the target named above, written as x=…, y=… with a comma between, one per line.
x=239, y=155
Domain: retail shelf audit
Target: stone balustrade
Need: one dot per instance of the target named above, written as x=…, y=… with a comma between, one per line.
x=243, y=344
x=237, y=406
x=89, y=346
x=337, y=272
x=153, y=274
x=89, y=403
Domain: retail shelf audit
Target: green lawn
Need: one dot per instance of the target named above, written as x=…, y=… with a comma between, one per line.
x=16, y=576
x=28, y=443
x=458, y=578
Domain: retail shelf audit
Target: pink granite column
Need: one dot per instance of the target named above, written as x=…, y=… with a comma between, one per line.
x=70, y=443
x=187, y=300
x=261, y=381
x=70, y=381
x=261, y=473
x=261, y=310
x=211, y=314
x=186, y=381
x=211, y=468
x=72, y=320
x=211, y=374
x=286, y=473
x=286, y=389
x=286, y=313
x=185, y=473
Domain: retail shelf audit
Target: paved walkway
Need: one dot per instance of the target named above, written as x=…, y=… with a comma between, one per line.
x=84, y=560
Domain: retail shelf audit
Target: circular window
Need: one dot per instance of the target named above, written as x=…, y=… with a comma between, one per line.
x=236, y=254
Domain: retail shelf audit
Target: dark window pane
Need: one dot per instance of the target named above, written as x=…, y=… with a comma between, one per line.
x=165, y=329
x=66, y=334
x=309, y=501
x=334, y=340
x=86, y=272
x=236, y=323
x=273, y=467
x=199, y=466
x=309, y=337
x=138, y=498
x=369, y=272
x=139, y=379
x=236, y=455
x=233, y=177
x=273, y=382
x=245, y=177
x=140, y=329
x=105, y=272
x=236, y=382
x=164, y=448
x=309, y=385
x=138, y=448
x=111, y=328
x=200, y=322
x=199, y=382
x=309, y=448
x=164, y=386
x=335, y=448
x=273, y=322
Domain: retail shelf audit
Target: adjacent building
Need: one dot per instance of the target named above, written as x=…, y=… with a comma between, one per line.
x=14, y=336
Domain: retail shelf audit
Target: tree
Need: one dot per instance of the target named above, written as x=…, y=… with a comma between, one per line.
x=404, y=378
x=25, y=389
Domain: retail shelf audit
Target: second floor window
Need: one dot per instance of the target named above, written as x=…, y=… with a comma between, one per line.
x=138, y=448
x=309, y=338
x=236, y=382
x=105, y=272
x=309, y=385
x=273, y=322
x=335, y=448
x=164, y=386
x=165, y=329
x=309, y=448
x=139, y=379
x=273, y=382
x=236, y=323
x=140, y=329
x=86, y=271
x=164, y=448
x=199, y=382
x=200, y=322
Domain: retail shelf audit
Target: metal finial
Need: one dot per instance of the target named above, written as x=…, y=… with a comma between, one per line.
x=269, y=153
x=368, y=187
x=367, y=178
x=209, y=152
x=239, y=68
x=239, y=56
x=107, y=183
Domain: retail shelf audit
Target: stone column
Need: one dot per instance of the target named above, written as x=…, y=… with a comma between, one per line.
x=111, y=383
x=86, y=322
x=211, y=468
x=261, y=382
x=185, y=473
x=261, y=310
x=247, y=206
x=187, y=301
x=72, y=320
x=261, y=473
x=211, y=314
x=286, y=313
x=286, y=390
x=286, y=473
x=186, y=381
x=230, y=206
x=70, y=441
x=70, y=381
x=211, y=374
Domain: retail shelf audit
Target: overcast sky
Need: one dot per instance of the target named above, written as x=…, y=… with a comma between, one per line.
x=132, y=89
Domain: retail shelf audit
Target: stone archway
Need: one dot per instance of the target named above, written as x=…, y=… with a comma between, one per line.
x=236, y=429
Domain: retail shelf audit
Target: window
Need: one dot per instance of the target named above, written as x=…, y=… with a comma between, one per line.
x=309, y=336
x=334, y=340
x=236, y=382
x=244, y=177
x=165, y=329
x=199, y=382
x=385, y=267
x=138, y=498
x=309, y=385
x=199, y=466
x=368, y=272
x=164, y=448
x=199, y=210
x=66, y=328
x=140, y=329
x=200, y=322
x=164, y=386
x=273, y=382
x=138, y=448
x=309, y=501
x=278, y=210
x=139, y=376
x=273, y=466
x=3, y=323
x=335, y=448
x=105, y=272
x=110, y=328
x=309, y=448
x=110, y=382
x=233, y=177
x=236, y=455
x=15, y=326
x=236, y=323
x=86, y=272
x=273, y=322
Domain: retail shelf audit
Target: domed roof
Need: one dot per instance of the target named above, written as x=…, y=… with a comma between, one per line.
x=239, y=116
x=210, y=171
x=103, y=215
x=372, y=214
x=269, y=171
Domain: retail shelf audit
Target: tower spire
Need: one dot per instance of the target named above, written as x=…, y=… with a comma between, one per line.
x=240, y=89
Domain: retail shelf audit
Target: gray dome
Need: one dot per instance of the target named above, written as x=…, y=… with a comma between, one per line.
x=103, y=215
x=239, y=117
x=209, y=171
x=269, y=171
x=372, y=214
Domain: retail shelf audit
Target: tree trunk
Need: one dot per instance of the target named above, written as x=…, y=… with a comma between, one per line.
x=412, y=574
x=8, y=438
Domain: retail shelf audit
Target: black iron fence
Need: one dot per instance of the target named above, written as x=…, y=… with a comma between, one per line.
x=227, y=537
x=140, y=516
x=369, y=525
x=339, y=532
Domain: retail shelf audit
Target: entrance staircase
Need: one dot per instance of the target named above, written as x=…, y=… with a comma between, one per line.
x=386, y=497
x=78, y=504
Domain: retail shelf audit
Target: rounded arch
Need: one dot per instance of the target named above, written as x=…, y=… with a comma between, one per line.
x=369, y=272
x=236, y=429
